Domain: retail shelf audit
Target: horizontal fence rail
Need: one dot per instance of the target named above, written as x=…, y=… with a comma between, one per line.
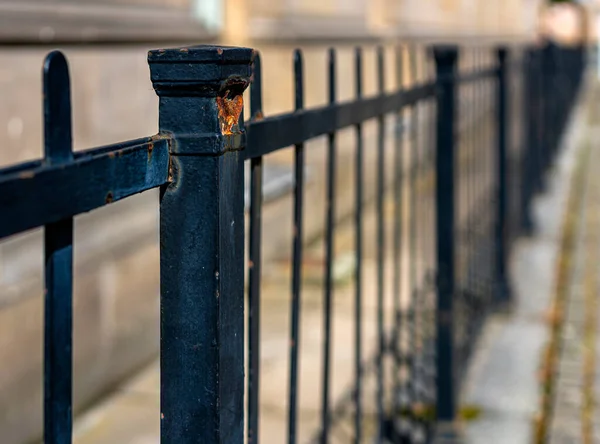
x=44, y=192
x=453, y=188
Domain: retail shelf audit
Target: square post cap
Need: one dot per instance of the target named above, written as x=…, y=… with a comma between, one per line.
x=201, y=71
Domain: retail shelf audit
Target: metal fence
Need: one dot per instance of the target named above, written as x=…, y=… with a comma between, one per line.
x=470, y=149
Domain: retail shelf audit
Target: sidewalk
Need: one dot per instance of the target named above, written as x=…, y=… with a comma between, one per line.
x=574, y=376
x=523, y=392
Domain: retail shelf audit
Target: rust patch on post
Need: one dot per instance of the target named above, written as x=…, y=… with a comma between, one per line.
x=230, y=103
x=230, y=110
x=150, y=148
x=109, y=197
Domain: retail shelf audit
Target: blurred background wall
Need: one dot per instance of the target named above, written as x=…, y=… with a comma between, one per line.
x=116, y=251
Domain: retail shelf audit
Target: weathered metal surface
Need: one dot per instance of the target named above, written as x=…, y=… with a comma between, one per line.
x=202, y=245
x=58, y=260
x=42, y=193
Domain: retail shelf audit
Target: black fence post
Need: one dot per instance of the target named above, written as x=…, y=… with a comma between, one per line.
x=446, y=58
x=502, y=293
x=202, y=243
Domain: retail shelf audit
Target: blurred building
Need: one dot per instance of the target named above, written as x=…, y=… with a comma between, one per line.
x=407, y=18
x=99, y=20
x=116, y=254
x=156, y=20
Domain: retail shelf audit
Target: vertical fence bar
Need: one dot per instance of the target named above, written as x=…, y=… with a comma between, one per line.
x=473, y=173
x=529, y=146
x=412, y=385
x=380, y=249
x=553, y=92
x=477, y=174
x=431, y=278
x=502, y=293
x=446, y=61
x=358, y=274
x=420, y=291
x=481, y=201
x=202, y=243
x=494, y=181
x=467, y=135
x=540, y=105
x=398, y=233
x=58, y=259
x=469, y=139
x=548, y=95
x=254, y=268
x=329, y=257
x=297, y=257
x=428, y=360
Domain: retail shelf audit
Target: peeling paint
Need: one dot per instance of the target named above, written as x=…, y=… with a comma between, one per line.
x=171, y=175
